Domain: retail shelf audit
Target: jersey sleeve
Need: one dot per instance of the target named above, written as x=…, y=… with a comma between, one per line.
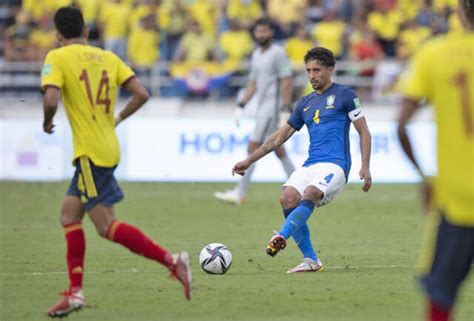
x=51, y=74
x=351, y=104
x=414, y=82
x=296, y=118
x=124, y=72
x=282, y=64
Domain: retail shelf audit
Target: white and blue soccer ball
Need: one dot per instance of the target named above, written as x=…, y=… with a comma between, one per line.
x=215, y=258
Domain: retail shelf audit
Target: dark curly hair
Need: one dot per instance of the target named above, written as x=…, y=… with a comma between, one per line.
x=324, y=56
x=69, y=22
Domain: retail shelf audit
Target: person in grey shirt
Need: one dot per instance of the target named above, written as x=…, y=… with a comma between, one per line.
x=270, y=81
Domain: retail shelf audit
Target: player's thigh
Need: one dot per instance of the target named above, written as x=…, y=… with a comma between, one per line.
x=72, y=210
x=328, y=178
x=298, y=180
x=448, y=259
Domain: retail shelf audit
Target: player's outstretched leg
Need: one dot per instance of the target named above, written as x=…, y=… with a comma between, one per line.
x=275, y=245
x=71, y=301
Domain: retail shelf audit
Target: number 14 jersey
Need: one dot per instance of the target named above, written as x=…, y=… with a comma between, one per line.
x=88, y=78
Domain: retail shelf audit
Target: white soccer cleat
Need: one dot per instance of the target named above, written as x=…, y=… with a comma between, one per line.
x=71, y=301
x=230, y=196
x=307, y=265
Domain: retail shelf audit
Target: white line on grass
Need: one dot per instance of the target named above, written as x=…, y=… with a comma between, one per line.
x=335, y=267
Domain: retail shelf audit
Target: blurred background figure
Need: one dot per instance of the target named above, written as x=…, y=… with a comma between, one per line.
x=15, y=39
x=113, y=22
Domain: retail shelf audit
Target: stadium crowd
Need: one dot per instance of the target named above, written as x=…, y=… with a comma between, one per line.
x=214, y=34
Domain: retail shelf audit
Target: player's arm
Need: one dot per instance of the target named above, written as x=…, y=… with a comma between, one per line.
x=139, y=98
x=365, y=148
x=277, y=139
x=249, y=92
x=409, y=106
x=286, y=87
x=50, y=106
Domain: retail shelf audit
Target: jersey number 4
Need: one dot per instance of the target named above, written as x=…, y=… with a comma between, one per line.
x=102, y=91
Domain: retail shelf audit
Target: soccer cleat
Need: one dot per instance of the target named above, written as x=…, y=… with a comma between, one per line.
x=181, y=271
x=230, y=196
x=70, y=301
x=276, y=243
x=307, y=265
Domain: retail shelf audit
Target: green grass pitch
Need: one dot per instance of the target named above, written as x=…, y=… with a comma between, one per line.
x=369, y=244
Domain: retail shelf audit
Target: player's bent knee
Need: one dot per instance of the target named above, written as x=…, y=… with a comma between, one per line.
x=289, y=200
x=313, y=194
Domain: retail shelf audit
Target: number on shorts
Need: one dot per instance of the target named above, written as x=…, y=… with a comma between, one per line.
x=329, y=178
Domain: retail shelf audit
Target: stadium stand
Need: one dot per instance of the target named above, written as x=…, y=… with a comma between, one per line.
x=201, y=47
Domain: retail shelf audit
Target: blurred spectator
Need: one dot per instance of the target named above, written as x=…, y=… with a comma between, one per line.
x=315, y=11
x=113, y=21
x=410, y=38
x=366, y=51
x=205, y=13
x=143, y=45
x=235, y=44
x=15, y=39
x=287, y=14
x=195, y=45
x=426, y=15
x=90, y=9
x=386, y=24
x=297, y=46
x=245, y=11
x=42, y=38
x=330, y=33
x=37, y=9
x=173, y=20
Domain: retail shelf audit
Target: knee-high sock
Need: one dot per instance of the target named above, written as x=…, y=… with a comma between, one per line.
x=245, y=180
x=136, y=241
x=437, y=313
x=297, y=218
x=288, y=166
x=302, y=238
x=75, y=253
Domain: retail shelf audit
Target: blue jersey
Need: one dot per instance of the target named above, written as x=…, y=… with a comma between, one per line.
x=328, y=122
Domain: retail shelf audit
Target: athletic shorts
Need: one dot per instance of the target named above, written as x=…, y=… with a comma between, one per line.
x=263, y=129
x=327, y=177
x=94, y=185
x=448, y=256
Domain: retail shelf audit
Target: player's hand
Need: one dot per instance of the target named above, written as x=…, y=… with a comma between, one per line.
x=48, y=127
x=238, y=116
x=364, y=174
x=241, y=167
x=426, y=195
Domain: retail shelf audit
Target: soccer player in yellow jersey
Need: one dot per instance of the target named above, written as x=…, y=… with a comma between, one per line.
x=450, y=201
x=87, y=78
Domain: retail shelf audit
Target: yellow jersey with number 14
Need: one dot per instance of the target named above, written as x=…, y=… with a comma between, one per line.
x=442, y=71
x=88, y=78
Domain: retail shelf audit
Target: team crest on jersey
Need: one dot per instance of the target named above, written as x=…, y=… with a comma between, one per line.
x=46, y=69
x=330, y=101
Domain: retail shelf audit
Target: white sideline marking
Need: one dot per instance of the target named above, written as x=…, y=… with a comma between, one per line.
x=335, y=267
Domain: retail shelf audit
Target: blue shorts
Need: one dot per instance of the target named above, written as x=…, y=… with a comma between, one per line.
x=94, y=185
x=452, y=259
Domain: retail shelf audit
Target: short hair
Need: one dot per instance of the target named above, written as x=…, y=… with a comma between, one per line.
x=324, y=56
x=264, y=21
x=69, y=22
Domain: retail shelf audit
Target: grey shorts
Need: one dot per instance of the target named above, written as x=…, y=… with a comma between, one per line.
x=263, y=129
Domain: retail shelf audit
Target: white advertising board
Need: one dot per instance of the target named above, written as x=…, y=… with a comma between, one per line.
x=175, y=149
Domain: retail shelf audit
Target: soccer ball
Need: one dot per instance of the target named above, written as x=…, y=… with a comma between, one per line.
x=215, y=258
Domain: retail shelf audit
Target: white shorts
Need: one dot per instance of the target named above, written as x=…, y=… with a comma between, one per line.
x=327, y=177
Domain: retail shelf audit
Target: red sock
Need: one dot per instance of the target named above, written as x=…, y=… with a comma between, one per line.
x=76, y=250
x=437, y=313
x=137, y=242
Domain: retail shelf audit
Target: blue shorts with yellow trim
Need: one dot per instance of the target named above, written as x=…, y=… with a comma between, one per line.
x=94, y=185
x=451, y=262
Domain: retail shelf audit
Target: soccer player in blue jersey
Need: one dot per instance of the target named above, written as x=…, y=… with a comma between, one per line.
x=327, y=113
